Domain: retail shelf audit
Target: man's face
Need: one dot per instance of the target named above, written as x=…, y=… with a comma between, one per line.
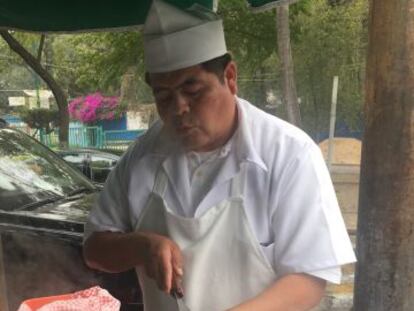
x=196, y=106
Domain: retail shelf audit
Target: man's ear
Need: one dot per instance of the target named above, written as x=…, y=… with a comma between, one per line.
x=230, y=77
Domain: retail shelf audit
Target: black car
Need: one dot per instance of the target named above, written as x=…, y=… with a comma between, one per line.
x=93, y=163
x=44, y=203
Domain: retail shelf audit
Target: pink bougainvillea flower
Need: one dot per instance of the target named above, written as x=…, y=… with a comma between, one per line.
x=94, y=107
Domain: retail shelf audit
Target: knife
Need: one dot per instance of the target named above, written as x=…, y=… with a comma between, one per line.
x=180, y=302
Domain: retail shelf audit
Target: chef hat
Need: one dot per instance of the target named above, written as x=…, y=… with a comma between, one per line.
x=176, y=39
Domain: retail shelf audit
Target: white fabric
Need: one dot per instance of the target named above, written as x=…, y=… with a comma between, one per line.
x=221, y=236
x=197, y=160
x=202, y=168
x=176, y=39
x=290, y=202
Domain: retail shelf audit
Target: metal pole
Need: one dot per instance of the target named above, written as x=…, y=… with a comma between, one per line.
x=332, y=121
x=215, y=5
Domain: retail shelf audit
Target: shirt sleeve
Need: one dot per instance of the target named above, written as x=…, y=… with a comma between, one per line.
x=110, y=211
x=332, y=275
x=308, y=228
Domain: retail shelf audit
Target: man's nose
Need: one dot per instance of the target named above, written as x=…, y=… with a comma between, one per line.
x=181, y=104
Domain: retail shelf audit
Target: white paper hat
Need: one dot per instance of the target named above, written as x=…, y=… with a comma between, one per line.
x=176, y=39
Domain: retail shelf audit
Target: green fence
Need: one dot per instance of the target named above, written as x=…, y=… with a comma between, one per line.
x=83, y=137
x=51, y=140
x=119, y=139
x=92, y=137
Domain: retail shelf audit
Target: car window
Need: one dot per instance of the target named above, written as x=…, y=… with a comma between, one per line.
x=30, y=172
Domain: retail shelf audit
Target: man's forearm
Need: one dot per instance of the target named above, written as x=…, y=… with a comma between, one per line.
x=294, y=292
x=114, y=252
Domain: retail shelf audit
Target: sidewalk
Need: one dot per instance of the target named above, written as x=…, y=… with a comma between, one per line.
x=346, y=183
x=340, y=297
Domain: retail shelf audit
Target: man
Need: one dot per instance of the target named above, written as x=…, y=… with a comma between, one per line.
x=218, y=203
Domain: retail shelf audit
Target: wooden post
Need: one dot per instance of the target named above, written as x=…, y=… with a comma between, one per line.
x=385, y=242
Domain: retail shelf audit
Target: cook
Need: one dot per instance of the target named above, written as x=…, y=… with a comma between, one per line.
x=219, y=203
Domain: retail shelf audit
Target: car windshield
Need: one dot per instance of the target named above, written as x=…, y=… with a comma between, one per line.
x=30, y=173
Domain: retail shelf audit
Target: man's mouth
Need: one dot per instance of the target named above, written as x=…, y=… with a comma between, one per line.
x=183, y=129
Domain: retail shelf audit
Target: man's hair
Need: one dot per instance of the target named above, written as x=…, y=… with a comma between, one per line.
x=215, y=65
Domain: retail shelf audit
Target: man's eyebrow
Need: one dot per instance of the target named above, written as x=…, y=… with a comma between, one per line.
x=186, y=82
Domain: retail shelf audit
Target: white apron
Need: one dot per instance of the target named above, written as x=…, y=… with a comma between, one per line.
x=224, y=264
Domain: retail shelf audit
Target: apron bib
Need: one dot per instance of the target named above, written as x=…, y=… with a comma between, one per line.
x=223, y=261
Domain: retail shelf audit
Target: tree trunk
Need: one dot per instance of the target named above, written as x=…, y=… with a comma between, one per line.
x=50, y=81
x=385, y=242
x=129, y=87
x=48, y=58
x=40, y=49
x=290, y=98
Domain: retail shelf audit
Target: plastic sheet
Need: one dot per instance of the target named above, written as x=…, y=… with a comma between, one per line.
x=91, y=299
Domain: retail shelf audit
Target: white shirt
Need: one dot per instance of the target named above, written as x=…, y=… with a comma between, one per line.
x=202, y=168
x=289, y=197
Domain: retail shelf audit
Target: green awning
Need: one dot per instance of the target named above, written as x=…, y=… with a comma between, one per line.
x=84, y=15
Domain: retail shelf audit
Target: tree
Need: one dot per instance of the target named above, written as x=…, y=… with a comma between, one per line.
x=57, y=91
x=329, y=41
x=290, y=97
x=326, y=40
x=251, y=40
x=15, y=74
x=385, y=241
x=262, y=52
x=99, y=60
x=40, y=118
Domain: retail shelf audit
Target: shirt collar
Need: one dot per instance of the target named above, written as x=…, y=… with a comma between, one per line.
x=165, y=144
x=242, y=140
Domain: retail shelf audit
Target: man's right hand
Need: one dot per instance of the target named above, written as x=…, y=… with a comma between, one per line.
x=117, y=252
x=163, y=262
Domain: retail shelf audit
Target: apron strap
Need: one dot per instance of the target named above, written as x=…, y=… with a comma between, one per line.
x=160, y=183
x=237, y=184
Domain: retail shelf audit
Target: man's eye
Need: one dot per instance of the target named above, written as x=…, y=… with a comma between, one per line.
x=193, y=92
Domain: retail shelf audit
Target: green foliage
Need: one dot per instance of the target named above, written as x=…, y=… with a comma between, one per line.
x=328, y=38
x=104, y=57
x=40, y=118
x=331, y=42
x=14, y=73
x=98, y=61
x=251, y=38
